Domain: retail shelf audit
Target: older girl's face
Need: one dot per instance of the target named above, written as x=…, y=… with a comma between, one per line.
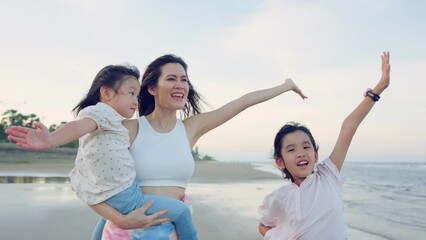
x=172, y=89
x=298, y=155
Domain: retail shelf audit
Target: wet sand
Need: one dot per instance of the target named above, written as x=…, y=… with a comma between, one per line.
x=225, y=199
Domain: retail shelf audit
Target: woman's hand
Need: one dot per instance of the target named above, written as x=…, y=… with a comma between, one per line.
x=133, y=220
x=138, y=219
x=294, y=87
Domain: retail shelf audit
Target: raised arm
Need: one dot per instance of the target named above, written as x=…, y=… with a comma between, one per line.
x=196, y=126
x=41, y=139
x=351, y=123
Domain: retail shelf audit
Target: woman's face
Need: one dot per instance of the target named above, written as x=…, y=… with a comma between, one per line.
x=172, y=89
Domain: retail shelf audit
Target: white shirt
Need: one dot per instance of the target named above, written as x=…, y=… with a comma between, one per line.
x=103, y=166
x=312, y=211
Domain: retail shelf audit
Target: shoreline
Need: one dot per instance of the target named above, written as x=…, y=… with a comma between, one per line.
x=225, y=198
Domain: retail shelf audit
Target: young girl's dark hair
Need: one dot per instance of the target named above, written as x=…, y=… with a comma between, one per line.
x=150, y=78
x=110, y=76
x=290, y=127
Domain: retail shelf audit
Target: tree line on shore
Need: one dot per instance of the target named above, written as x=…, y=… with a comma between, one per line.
x=12, y=117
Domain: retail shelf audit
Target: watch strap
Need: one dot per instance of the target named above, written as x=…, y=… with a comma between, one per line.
x=369, y=93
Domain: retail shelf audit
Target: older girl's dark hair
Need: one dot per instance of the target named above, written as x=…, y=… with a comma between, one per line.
x=110, y=76
x=150, y=78
x=290, y=127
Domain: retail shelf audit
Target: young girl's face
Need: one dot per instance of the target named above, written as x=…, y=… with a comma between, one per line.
x=298, y=155
x=125, y=100
x=172, y=89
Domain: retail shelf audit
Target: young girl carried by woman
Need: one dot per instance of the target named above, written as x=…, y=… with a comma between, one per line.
x=310, y=206
x=104, y=169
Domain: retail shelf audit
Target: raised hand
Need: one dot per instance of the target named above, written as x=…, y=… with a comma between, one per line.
x=295, y=88
x=31, y=139
x=385, y=79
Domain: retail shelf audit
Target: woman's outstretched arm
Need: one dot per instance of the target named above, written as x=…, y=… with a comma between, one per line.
x=196, y=126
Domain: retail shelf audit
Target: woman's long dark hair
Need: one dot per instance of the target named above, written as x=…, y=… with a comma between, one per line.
x=110, y=76
x=150, y=78
x=278, y=141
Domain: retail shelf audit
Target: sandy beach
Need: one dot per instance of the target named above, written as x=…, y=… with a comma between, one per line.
x=225, y=198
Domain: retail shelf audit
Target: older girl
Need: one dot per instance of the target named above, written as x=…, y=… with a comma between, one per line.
x=310, y=205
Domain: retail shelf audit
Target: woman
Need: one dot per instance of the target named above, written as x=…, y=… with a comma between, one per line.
x=161, y=143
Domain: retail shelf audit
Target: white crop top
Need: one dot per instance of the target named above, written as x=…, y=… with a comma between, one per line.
x=162, y=159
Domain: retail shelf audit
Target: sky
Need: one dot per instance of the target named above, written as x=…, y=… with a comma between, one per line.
x=50, y=51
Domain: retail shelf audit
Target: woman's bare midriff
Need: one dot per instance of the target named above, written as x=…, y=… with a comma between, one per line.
x=172, y=192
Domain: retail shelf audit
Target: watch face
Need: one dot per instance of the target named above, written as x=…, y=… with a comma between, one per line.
x=370, y=94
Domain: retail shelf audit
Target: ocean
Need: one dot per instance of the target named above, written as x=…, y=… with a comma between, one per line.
x=391, y=196
x=384, y=199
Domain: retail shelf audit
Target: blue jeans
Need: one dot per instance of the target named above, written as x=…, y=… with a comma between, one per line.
x=132, y=198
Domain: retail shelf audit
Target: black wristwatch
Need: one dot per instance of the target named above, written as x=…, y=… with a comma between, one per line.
x=371, y=94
